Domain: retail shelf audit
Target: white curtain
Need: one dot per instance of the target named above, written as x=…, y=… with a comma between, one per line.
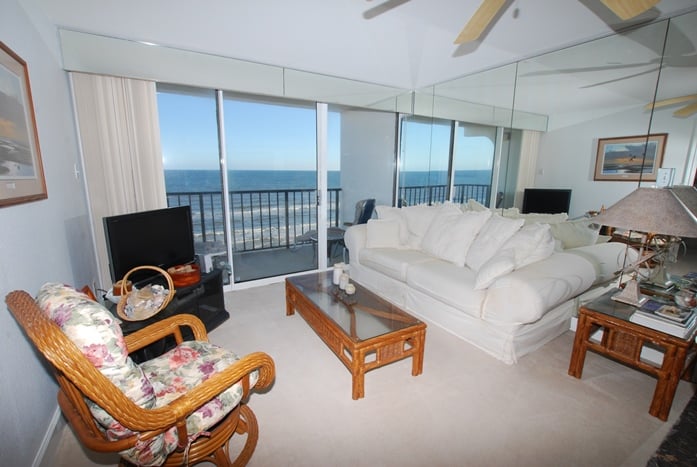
x=122, y=158
x=529, y=151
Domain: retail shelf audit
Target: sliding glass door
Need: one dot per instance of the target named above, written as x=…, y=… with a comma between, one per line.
x=191, y=159
x=271, y=161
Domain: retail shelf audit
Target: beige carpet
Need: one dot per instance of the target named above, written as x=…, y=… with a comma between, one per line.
x=465, y=409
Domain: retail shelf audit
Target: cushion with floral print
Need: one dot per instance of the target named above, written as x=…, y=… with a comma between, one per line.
x=185, y=367
x=96, y=332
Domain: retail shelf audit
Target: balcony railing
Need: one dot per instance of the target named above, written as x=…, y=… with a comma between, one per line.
x=429, y=194
x=261, y=219
x=268, y=219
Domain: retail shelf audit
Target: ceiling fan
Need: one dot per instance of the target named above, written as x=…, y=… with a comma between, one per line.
x=489, y=9
x=683, y=112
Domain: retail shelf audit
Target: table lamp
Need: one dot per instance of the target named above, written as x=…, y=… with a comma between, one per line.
x=666, y=211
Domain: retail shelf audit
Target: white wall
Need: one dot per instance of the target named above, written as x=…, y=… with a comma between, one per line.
x=567, y=156
x=42, y=241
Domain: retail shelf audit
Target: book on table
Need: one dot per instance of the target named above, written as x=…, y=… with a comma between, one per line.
x=666, y=317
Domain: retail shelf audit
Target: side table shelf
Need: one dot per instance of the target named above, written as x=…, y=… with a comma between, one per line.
x=204, y=300
x=623, y=341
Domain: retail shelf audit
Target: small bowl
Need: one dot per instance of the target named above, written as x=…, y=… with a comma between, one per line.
x=685, y=298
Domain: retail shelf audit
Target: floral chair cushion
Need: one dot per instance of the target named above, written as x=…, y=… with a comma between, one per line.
x=185, y=367
x=96, y=332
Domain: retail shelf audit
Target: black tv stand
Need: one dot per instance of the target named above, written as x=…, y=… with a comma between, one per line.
x=204, y=300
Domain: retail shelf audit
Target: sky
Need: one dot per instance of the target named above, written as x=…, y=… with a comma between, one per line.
x=282, y=137
x=257, y=136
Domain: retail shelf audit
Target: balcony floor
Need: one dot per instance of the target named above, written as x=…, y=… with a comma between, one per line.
x=262, y=264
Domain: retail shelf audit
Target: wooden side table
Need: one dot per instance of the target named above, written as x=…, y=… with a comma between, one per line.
x=623, y=341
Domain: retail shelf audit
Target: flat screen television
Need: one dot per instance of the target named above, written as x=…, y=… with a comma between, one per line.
x=161, y=237
x=546, y=200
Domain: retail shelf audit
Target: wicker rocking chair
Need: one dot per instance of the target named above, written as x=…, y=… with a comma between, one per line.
x=180, y=420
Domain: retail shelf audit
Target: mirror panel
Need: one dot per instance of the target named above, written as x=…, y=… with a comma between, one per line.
x=677, y=89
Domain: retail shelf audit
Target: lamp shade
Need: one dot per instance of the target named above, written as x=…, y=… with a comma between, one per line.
x=665, y=211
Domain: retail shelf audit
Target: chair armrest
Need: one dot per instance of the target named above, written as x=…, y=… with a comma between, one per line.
x=166, y=327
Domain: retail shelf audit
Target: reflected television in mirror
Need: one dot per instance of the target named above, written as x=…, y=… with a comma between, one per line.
x=546, y=200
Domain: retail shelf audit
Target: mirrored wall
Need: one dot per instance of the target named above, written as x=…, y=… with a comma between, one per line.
x=554, y=109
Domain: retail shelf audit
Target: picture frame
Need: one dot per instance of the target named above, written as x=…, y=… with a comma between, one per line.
x=622, y=158
x=21, y=168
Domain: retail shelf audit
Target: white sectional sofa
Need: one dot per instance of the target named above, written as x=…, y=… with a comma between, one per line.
x=506, y=284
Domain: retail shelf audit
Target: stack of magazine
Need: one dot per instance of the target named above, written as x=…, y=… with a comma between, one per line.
x=666, y=317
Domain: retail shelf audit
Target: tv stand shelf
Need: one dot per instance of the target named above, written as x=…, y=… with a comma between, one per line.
x=204, y=300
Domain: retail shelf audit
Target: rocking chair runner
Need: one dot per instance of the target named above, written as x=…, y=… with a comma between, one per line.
x=165, y=425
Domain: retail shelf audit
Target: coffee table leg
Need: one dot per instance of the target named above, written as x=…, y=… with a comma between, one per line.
x=290, y=306
x=358, y=376
x=417, y=359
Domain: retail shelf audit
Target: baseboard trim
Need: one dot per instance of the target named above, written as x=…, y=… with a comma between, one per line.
x=55, y=425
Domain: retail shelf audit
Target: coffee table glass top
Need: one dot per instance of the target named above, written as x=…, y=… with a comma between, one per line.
x=361, y=316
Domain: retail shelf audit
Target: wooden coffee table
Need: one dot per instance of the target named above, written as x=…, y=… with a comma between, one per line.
x=363, y=330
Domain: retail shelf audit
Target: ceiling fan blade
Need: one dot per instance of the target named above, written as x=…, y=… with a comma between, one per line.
x=382, y=8
x=480, y=20
x=686, y=111
x=671, y=101
x=628, y=9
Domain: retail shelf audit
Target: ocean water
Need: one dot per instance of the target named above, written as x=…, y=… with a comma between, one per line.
x=260, y=180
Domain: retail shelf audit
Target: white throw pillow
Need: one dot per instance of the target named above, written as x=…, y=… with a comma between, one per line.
x=451, y=234
x=390, y=213
x=531, y=243
x=577, y=233
x=474, y=205
x=534, y=218
x=497, y=266
x=490, y=239
x=382, y=234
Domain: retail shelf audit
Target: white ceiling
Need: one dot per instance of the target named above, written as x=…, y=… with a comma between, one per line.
x=408, y=46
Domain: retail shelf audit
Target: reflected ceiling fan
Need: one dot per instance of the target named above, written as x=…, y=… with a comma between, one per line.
x=683, y=112
x=489, y=9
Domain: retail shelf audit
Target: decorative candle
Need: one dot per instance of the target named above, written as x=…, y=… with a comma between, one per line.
x=350, y=289
x=338, y=271
x=343, y=281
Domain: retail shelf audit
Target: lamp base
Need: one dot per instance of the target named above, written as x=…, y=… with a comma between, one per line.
x=631, y=295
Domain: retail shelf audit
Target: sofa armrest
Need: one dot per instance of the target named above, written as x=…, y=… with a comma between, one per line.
x=355, y=240
x=607, y=258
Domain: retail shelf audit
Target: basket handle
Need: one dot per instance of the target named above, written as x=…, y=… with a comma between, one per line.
x=170, y=286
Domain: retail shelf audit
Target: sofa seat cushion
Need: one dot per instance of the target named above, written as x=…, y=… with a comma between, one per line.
x=524, y=295
x=448, y=283
x=393, y=262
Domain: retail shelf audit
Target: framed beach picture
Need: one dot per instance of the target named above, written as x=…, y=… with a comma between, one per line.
x=630, y=158
x=21, y=170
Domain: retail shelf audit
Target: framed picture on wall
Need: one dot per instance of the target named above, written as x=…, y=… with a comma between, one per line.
x=21, y=170
x=630, y=158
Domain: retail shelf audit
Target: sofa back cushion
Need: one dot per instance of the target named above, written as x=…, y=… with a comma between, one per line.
x=451, y=234
x=389, y=213
x=528, y=245
x=382, y=233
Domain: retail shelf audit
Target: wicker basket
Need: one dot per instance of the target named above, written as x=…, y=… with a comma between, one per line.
x=141, y=305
